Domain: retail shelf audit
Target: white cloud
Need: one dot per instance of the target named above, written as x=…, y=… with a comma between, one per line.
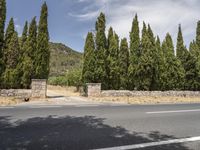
x=163, y=15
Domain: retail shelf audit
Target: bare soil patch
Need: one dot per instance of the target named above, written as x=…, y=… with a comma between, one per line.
x=148, y=100
x=9, y=101
x=65, y=91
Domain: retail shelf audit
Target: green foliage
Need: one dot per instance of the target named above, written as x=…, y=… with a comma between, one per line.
x=2, y=26
x=24, y=35
x=113, y=59
x=124, y=64
x=29, y=55
x=173, y=75
x=145, y=69
x=100, y=40
x=41, y=64
x=134, y=51
x=12, y=54
x=89, y=60
x=71, y=78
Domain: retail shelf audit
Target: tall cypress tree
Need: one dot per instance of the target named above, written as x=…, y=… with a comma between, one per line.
x=2, y=26
x=89, y=60
x=43, y=53
x=30, y=47
x=107, y=65
x=173, y=76
x=191, y=75
x=124, y=64
x=198, y=34
x=134, y=51
x=8, y=36
x=11, y=75
x=113, y=63
x=100, y=65
x=145, y=68
x=24, y=35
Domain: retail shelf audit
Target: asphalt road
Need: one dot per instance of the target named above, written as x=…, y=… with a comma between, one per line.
x=103, y=126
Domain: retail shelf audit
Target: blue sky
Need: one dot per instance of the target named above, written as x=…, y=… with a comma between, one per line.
x=70, y=20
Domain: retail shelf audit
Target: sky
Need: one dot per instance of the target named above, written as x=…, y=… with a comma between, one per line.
x=71, y=20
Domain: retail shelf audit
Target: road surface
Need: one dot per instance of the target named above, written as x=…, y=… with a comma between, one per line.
x=106, y=126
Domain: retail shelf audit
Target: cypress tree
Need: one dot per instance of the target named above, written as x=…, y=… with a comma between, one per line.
x=2, y=26
x=107, y=65
x=8, y=36
x=161, y=65
x=174, y=72
x=41, y=64
x=124, y=64
x=89, y=60
x=11, y=75
x=198, y=34
x=24, y=35
x=191, y=72
x=134, y=51
x=100, y=65
x=30, y=47
x=145, y=68
x=113, y=63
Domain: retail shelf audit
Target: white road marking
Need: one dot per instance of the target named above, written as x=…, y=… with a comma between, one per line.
x=145, y=145
x=173, y=111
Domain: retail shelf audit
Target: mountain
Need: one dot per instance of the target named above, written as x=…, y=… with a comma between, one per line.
x=63, y=59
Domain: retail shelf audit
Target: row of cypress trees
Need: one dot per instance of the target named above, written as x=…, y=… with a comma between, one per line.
x=147, y=64
x=26, y=57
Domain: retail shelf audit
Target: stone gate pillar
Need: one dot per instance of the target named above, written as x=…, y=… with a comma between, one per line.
x=93, y=89
x=39, y=88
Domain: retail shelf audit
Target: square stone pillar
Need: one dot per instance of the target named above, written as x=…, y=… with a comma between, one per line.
x=39, y=88
x=93, y=89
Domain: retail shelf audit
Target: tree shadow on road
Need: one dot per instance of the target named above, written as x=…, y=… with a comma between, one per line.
x=71, y=133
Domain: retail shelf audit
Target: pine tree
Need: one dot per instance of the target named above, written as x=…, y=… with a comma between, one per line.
x=2, y=26
x=11, y=75
x=134, y=51
x=89, y=60
x=29, y=53
x=173, y=76
x=100, y=65
x=43, y=53
x=124, y=64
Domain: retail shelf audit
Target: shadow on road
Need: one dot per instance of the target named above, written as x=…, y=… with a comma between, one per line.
x=71, y=133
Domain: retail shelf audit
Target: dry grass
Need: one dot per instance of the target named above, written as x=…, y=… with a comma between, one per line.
x=9, y=101
x=148, y=100
x=65, y=91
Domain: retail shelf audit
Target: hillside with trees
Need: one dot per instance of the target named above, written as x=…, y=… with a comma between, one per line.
x=63, y=59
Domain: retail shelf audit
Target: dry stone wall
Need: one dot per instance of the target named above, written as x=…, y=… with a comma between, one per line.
x=38, y=90
x=94, y=90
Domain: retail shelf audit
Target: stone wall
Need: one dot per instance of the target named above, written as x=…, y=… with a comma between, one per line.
x=38, y=90
x=94, y=90
x=19, y=93
x=150, y=93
